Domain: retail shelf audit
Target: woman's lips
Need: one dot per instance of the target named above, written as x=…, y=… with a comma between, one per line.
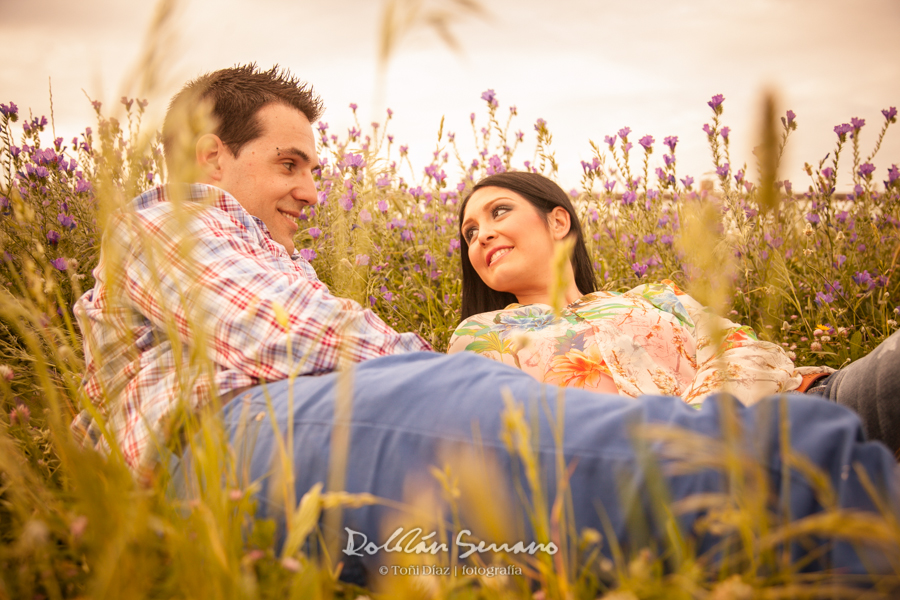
x=497, y=254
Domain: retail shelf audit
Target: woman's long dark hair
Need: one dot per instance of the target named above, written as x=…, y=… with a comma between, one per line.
x=544, y=195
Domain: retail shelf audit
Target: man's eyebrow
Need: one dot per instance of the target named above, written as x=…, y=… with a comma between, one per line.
x=296, y=152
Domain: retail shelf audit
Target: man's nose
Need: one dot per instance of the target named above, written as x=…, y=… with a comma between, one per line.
x=305, y=191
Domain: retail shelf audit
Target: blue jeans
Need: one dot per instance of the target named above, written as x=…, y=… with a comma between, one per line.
x=416, y=411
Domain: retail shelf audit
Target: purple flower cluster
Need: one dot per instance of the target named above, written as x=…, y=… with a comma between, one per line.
x=490, y=97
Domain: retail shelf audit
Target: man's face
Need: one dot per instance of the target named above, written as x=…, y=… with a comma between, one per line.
x=272, y=176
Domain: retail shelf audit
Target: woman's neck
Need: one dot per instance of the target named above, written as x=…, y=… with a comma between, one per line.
x=570, y=295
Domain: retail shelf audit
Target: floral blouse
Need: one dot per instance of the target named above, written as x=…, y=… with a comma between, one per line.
x=653, y=339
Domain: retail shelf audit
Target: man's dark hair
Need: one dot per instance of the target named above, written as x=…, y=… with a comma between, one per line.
x=544, y=195
x=231, y=99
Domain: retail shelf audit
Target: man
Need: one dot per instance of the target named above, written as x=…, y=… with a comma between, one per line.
x=201, y=294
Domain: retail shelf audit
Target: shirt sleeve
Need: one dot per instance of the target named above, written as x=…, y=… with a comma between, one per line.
x=740, y=364
x=205, y=278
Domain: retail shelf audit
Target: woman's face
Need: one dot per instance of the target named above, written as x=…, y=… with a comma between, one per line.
x=511, y=243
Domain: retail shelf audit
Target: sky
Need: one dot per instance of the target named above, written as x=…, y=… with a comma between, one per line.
x=588, y=67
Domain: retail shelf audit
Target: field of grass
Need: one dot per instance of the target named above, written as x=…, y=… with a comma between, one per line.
x=807, y=268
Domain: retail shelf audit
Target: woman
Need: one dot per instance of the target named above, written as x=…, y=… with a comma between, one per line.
x=653, y=339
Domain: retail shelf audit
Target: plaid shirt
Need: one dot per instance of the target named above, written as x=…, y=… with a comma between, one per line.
x=177, y=276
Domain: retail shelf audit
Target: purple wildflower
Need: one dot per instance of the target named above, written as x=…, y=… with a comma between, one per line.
x=671, y=141
x=827, y=172
x=59, y=263
x=788, y=187
x=490, y=97
x=362, y=260
x=406, y=235
x=857, y=124
x=314, y=232
x=866, y=170
x=647, y=142
x=540, y=125
x=12, y=111
x=723, y=170
x=863, y=279
x=716, y=103
x=823, y=298
x=813, y=218
x=610, y=185
x=667, y=239
x=724, y=132
x=687, y=181
x=708, y=130
x=668, y=159
x=790, y=117
x=893, y=174
x=365, y=216
x=842, y=130
x=66, y=221
x=353, y=106
x=610, y=140
x=640, y=269
x=53, y=237
x=623, y=133
x=353, y=161
x=889, y=114
x=307, y=254
x=649, y=238
x=454, y=245
x=346, y=200
x=628, y=198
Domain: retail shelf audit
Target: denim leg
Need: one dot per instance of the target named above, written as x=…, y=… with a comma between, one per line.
x=416, y=411
x=870, y=386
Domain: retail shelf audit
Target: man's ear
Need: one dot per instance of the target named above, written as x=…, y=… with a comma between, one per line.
x=210, y=151
x=560, y=222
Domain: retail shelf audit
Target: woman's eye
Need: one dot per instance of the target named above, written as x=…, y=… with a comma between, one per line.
x=500, y=210
x=469, y=234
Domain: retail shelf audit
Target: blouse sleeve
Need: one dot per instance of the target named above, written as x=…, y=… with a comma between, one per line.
x=740, y=364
